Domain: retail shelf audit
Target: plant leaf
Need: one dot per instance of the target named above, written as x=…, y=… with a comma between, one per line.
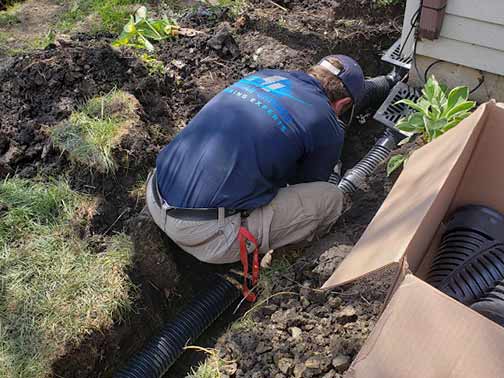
x=438, y=124
x=429, y=90
x=411, y=104
x=460, y=108
x=395, y=162
x=141, y=13
x=456, y=96
x=406, y=125
x=456, y=121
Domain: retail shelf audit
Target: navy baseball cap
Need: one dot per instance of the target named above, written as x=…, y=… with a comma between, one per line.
x=351, y=75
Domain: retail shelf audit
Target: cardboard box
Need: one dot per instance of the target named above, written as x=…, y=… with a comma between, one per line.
x=423, y=332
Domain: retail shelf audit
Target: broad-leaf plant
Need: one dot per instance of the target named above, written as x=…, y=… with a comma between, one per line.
x=434, y=113
x=140, y=31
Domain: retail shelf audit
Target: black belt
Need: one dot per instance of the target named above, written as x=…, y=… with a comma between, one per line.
x=191, y=214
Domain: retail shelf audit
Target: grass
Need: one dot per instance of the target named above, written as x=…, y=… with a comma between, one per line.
x=55, y=287
x=90, y=134
x=235, y=6
x=279, y=265
x=212, y=366
x=205, y=369
x=3, y=38
x=113, y=14
x=9, y=16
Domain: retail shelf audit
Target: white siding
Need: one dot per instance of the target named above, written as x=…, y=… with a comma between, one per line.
x=483, y=10
x=472, y=35
x=474, y=56
x=473, y=31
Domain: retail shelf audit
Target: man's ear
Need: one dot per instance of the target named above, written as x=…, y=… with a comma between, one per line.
x=342, y=105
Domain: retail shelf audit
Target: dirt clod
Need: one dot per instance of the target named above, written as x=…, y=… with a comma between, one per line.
x=341, y=363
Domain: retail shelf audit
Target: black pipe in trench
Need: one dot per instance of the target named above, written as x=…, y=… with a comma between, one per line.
x=164, y=349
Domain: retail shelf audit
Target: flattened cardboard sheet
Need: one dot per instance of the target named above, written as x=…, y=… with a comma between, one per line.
x=425, y=334
x=410, y=215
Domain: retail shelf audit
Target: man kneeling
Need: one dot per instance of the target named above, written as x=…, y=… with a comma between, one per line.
x=253, y=164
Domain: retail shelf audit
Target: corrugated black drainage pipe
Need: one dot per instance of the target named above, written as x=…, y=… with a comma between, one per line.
x=471, y=254
x=164, y=349
x=355, y=177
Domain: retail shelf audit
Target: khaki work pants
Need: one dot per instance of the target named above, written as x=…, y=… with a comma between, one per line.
x=298, y=212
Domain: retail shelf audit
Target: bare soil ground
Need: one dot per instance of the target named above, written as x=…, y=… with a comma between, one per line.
x=41, y=88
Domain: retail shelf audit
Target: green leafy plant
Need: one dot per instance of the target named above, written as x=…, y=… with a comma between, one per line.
x=436, y=111
x=140, y=31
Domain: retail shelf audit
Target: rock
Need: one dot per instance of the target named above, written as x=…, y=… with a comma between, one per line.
x=299, y=369
x=263, y=347
x=329, y=374
x=313, y=295
x=224, y=42
x=295, y=332
x=229, y=368
x=285, y=319
x=308, y=327
x=341, y=363
x=299, y=348
x=320, y=340
x=334, y=302
x=317, y=364
x=320, y=312
x=285, y=365
x=335, y=344
x=347, y=315
x=330, y=259
x=305, y=302
x=268, y=310
x=247, y=342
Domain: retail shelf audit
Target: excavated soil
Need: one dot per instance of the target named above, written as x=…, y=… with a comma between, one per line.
x=40, y=89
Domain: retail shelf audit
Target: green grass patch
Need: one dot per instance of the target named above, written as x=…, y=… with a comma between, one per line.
x=113, y=14
x=90, y=134
x=55, y=287
x=9, y=16
x=212, y=366
x=234, y=6
x=205, y=369
x=266, y=284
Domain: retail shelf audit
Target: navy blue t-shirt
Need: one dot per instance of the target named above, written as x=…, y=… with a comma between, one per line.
x=267, y=130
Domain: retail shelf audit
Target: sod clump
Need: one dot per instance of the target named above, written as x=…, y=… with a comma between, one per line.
x=91, y=134
x=56, y=288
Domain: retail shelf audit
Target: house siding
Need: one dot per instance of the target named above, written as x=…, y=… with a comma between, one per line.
x=472, y=35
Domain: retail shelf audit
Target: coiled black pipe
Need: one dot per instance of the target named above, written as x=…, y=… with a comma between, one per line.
x=163, y=350
x=354, y=178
